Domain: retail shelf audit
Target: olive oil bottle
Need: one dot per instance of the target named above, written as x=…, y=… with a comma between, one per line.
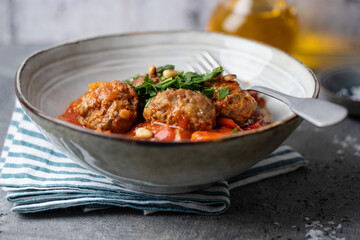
x=328, y=37
x=271, y=22
x=321, y=33
x=320, y=50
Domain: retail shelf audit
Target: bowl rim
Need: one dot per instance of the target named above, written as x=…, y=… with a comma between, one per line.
x=119, y=137
x=325, y=74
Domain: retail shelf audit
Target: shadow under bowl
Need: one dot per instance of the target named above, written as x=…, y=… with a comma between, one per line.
x=341, y=85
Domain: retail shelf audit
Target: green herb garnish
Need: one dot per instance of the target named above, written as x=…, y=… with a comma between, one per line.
x=136, y=76
x=223, y=92
x=147, y=89
x=128, y=82
x=208, y=92
x=213, y=74
x=190, y=80
x=235, y=130
x=148, y=101
x=163, y=68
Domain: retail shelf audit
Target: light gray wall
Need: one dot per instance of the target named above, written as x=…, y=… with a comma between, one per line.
x=336, y=16
x=54, y=21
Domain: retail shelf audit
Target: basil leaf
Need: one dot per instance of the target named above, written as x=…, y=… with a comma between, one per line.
x=223, y=92
x=235, y=130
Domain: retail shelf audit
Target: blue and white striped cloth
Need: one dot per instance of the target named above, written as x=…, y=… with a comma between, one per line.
x=38, y=177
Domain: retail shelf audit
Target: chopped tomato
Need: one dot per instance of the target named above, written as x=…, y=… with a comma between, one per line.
x=227, y=122
x=164, y=134
x=210, y=135
x=253, y=126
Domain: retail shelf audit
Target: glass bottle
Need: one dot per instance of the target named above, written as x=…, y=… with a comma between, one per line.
x=321, y=33
x=329, y=33
x=269, y=21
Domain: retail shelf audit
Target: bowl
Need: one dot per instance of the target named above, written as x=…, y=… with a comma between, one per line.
x=341, y=85
x=49, y=80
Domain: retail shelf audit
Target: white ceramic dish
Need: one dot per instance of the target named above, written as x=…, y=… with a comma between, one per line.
x=49, y=80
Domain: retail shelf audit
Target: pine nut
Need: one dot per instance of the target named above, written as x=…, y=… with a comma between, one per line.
x=152, y=70
x=170, y=73
x=143, y=133
x=229, y=77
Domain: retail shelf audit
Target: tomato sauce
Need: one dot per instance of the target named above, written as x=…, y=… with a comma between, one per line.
x=70, y=115
x=165, y=133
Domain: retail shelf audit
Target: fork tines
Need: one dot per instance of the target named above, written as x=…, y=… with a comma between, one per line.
x=202, y=62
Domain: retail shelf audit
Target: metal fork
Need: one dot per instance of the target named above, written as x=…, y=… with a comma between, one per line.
x=318, y=112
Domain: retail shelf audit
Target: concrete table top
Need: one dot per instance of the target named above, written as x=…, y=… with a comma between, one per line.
x=322, y=199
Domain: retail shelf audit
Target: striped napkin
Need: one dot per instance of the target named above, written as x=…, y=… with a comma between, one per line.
x=38, y=177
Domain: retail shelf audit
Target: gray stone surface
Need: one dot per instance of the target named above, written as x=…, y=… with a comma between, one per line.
x=318, y=197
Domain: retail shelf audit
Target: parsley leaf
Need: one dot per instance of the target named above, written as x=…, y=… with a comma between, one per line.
x=166, y=83
x=128, y=82
x=223, y=92
x=147, y=88
x=162, y=68
x=208, y=92
x=148, y=101
x=213, y=74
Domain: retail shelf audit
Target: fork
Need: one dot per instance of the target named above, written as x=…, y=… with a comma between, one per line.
x=318, y=112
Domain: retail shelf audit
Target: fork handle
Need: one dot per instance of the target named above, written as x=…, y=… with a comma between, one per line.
x=318, y=112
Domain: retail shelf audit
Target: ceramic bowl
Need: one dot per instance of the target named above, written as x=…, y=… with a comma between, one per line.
x=341, y=85
x=49, y=80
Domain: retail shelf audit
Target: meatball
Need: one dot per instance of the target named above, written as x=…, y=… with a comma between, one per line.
x=239, y=105
x=108, y=106
x=184, y=108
